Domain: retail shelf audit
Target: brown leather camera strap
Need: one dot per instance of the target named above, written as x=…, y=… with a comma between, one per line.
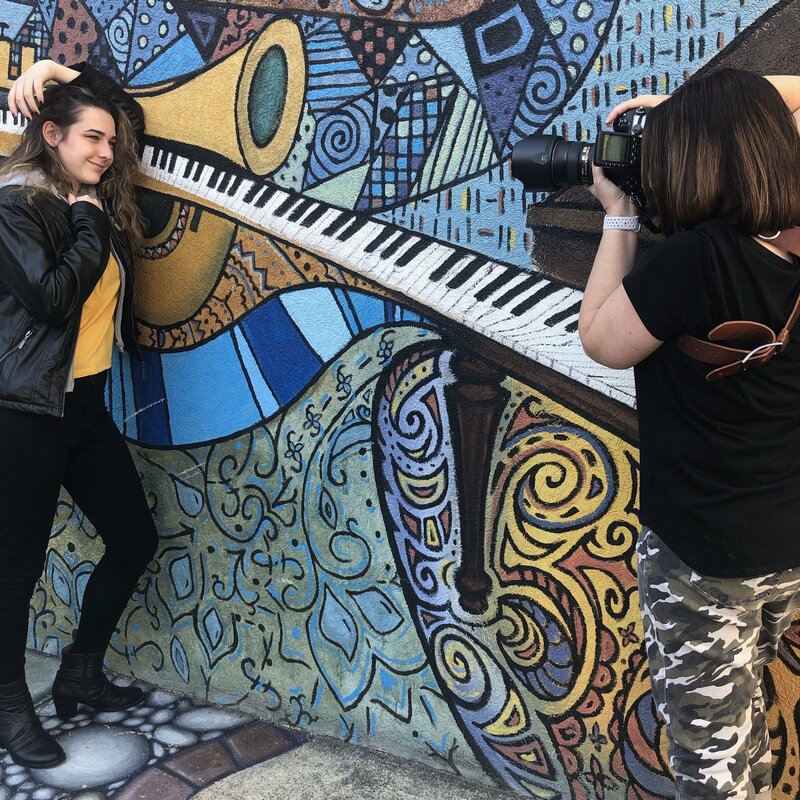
x=730, y=360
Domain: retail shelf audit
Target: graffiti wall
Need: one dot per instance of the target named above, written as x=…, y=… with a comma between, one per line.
x=396, y=502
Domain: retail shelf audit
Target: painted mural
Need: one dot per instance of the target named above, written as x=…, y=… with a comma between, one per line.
x=332, y=225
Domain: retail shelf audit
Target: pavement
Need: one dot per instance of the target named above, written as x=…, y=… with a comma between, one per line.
x=175, y=748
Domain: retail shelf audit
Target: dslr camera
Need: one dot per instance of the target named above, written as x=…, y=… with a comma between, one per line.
x=545, y=163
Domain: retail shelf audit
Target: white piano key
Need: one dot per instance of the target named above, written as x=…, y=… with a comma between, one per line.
x=428, y=261
x=552, y=345
x=490, y=314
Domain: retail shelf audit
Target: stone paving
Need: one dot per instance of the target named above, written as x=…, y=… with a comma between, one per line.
x=174, y=748
x=168, y=748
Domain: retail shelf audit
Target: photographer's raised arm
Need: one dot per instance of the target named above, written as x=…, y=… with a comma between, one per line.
x=609, y=327
x=789, y=88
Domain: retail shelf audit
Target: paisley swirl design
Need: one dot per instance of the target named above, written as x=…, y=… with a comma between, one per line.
x=562, y=479
x=540, y=647
x=559, y=614
x=465, y=664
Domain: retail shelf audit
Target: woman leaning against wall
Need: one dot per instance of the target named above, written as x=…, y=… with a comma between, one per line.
x=719, y=415
x=68, y=225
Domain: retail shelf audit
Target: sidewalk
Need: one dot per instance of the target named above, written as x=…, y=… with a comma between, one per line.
x=174, y=748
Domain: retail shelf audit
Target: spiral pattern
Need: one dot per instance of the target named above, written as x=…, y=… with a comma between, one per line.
x=547, y=87
x=119, y=34
x=563, y=480
x=539, y=648
x=342, y=141
x=462, y=663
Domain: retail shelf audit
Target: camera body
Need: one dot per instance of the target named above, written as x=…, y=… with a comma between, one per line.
x=546, y=163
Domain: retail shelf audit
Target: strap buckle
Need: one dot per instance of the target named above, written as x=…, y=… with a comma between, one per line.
x=756, y=350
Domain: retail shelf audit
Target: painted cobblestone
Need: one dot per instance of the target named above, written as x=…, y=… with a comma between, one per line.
x=168, y=748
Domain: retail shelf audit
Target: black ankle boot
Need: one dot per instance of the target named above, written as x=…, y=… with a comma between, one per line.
x=80, y=679
x=21, y=732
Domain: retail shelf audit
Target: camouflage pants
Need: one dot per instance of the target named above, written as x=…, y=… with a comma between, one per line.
x=708, y=640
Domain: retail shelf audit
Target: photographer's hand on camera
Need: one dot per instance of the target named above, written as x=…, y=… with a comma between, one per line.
x=614, y=201
x=646, y=101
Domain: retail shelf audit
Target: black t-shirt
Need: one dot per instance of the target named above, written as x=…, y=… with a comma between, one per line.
x=720, y=460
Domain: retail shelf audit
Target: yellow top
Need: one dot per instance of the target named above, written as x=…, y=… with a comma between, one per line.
x=96, y=334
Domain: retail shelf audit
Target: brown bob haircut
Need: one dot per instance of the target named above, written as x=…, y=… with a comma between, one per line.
x=724, y=146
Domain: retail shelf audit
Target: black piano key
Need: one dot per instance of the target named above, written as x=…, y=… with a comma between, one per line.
x=379, y=240
x=551, y=322
x=216, y=174
x=251, y=193
x=300, y=209
x=466, y=272
x=285, y=205
x=187, y=170
x=171, y=163
x=265, y=195
x=163, y=159
x=335, y=224
x=234, y=185
x=314, y=216
x=154, y=157
x=512, y=294
x=394, y=246
x=352, y=226
x=198, y=171
x=572, y=327
x=496, y=283
x=527, y=304
x=445, y=267
x=412, y=253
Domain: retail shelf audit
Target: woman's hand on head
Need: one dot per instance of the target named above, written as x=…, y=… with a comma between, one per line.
x=84, y=198
x=26, y=94
x=614, y=201
x=643, y=101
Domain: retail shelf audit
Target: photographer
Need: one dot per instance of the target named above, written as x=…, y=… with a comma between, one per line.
x=718, y=554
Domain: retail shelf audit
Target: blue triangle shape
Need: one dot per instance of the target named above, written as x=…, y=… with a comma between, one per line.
x=501, y=93
x=180, y=58
x=102, y=10
x=448, y=45
x=48, y=9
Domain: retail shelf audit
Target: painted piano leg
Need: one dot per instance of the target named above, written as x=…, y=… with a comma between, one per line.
x=475, y=402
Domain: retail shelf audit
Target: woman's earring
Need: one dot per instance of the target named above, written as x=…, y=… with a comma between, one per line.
x=771, y=238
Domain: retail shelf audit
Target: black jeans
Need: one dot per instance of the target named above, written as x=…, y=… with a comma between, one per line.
x=84, y=452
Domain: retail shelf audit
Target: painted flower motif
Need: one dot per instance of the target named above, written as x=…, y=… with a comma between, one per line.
x=385, y=348
x=599, y=780
x=294, y=451
x=343, y=382
x=312, y=420
x=597, y=738
x=629, y=636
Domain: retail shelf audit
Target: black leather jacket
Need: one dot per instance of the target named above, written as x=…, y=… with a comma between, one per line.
x=51, y=257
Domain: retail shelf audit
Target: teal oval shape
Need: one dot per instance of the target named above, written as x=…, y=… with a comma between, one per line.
x=268, y=95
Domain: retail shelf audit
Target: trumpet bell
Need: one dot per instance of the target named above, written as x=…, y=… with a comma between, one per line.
x=246, y=108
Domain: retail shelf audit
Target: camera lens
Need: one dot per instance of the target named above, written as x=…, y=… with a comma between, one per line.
x=546, y=163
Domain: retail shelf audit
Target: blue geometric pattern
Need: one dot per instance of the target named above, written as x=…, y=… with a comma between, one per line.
x=248, y=372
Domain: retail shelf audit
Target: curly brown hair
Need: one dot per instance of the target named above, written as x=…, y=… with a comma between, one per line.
x=63, y=105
